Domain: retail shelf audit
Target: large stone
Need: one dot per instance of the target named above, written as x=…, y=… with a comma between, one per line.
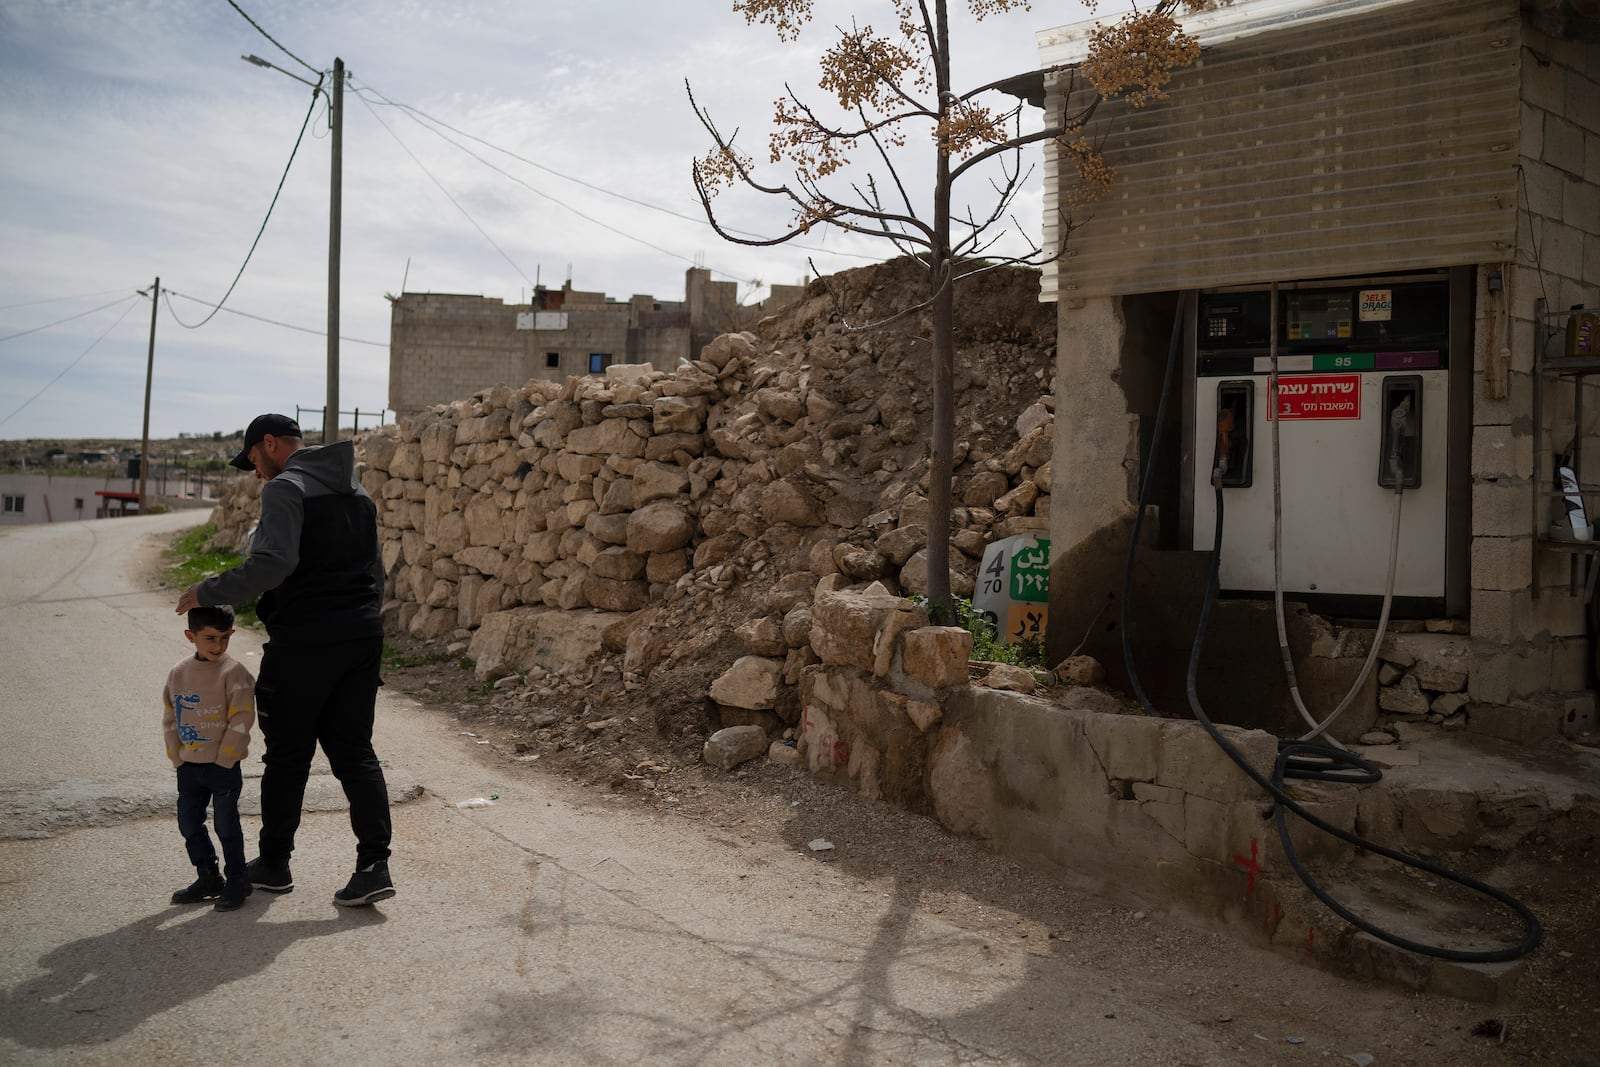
x=486, y=521
x=619, y=564
x=859, y=564
x=1009, y=677
x=984, y=488
x=751, y=683
x=900, y=544
x=937, y=656
x=733, y=745
x=678, y=414
x=763, y=635
x=845, y=626
x=725, y=348
x=659, y=527
x=785, y=501
x=607, y=437
x=1405, y=697
x=658, y=481
x=664, y=567
x=609, y=595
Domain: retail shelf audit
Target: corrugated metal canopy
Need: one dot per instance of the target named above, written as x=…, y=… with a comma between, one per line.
x=1350, y=136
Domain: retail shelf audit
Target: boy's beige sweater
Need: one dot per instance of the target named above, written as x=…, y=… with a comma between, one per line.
x=210, y=709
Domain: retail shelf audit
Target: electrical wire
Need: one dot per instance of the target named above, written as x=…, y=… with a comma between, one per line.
x=263, y=229
x=274, y=41
x=58, y=322
x=700, y=220
x=1299, y=759
x=465, y=214
x=79, y=359
x=58, y=299
x=755, y=283
x=169, y=294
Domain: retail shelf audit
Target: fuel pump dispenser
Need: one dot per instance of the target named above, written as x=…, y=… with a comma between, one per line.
x=1348, y=378
x=1402, y=456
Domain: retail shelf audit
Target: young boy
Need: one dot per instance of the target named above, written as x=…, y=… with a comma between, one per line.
x=210, y=707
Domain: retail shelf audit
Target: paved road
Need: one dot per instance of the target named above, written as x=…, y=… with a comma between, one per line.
x=548, y=928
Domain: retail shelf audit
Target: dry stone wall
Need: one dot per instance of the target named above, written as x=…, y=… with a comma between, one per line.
x=715, y=501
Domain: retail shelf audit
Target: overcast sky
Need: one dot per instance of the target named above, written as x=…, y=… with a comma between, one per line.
x=134, y=142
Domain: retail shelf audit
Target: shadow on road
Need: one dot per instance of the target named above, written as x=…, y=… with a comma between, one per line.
x=102, y=987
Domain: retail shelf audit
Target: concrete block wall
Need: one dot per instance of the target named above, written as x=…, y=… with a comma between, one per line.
x=438, y=340
x=1529, y=633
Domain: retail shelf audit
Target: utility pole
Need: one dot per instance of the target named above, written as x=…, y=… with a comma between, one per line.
x=149, y=373
x=330, y=414
x=330, y=417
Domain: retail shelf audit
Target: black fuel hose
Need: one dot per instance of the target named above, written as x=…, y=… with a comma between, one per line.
x=1300, y=759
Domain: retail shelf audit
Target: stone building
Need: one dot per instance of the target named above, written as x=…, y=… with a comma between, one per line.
x=443, y=346
x=1320, y=168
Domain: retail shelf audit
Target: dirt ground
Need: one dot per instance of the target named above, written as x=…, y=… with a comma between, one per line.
x=590, y=730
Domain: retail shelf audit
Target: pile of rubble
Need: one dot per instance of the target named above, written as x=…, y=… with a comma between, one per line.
x=657, y=527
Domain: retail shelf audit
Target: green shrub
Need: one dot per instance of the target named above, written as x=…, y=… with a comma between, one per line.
x=988, y=646
x=189, y=562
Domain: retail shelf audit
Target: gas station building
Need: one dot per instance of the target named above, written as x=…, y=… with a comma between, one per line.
x=1390, y=208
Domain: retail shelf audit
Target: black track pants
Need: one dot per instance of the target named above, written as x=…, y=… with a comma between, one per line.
x=321, y=694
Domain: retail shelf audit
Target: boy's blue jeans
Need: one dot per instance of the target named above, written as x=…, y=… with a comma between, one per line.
x=200, y=785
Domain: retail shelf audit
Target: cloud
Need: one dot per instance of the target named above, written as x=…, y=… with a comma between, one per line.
x=137, y=144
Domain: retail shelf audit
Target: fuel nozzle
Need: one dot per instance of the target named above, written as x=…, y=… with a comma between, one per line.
x=1230, y=466
x=1219, y=465
x=1400, y=458
x=1399, y=416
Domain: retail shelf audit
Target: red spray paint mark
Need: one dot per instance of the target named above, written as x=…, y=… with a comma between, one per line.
x=841, y=753
x=1273, y=915
x=1311, y=940
x=1252, y=866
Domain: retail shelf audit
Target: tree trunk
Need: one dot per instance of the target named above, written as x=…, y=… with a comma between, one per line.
x=942, y=362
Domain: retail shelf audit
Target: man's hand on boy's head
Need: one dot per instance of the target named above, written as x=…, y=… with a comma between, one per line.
x=189, y=599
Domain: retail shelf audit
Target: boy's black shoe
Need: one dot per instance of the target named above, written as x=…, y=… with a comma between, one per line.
x=208, y=885
x=368, y=885
x=233, y=895
x=269, y=877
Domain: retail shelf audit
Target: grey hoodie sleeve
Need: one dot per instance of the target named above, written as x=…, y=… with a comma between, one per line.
x=274, y=550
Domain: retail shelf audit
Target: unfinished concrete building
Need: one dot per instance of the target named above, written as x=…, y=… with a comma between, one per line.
x=445, y=346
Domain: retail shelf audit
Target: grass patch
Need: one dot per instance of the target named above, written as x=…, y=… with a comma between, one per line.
x=395, y=659
x=188, y=562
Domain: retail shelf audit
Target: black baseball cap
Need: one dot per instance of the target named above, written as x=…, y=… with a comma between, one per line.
x=260, y=426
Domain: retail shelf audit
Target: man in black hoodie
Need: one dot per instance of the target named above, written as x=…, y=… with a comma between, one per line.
x=314, y=563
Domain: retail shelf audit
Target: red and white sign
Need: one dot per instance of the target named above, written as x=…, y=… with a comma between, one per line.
x=1318, y=396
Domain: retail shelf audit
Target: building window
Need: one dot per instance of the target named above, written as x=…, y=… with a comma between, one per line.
x=598, y=362
x=11, y=505
x=552, y=359
x=77, y=502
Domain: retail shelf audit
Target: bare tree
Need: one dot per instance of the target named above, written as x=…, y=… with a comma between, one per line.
x=889, y=86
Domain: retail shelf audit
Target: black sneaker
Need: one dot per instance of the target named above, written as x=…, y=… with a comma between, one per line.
x=368, y=885
x=233, y=895
x=208, y=885
x=269, y=877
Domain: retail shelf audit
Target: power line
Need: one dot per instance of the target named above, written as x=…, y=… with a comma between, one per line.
x=58, y=322
x=366, y=103
x=275, y=194
x=696, y=219
x=74, y=363
x=169, y=294
x=58, y=299
x=416, y=115
x=535, y=191
x=269, y=37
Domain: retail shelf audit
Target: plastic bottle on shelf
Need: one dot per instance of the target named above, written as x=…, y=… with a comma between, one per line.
x=1583, y=331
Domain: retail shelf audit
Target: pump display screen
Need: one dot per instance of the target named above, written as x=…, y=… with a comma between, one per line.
x=1318, y=316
